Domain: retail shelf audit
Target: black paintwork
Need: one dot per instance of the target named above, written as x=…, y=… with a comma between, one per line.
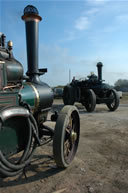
x=80, y=88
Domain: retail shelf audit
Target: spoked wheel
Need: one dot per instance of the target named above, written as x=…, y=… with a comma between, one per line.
x=68, y=95
x=113, y=96
x=66, y=137
x=90, y=102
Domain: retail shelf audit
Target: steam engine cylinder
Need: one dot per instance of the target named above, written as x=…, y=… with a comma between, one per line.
x=38, y=96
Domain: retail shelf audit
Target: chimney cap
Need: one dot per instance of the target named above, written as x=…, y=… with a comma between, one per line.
x=99, y=64
x=31, y=12
x=30, y=9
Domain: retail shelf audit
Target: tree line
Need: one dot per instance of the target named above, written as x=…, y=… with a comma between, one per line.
x=121, y=85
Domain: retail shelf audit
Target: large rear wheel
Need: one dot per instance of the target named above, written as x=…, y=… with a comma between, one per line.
x=68, y=95
x=66, y=137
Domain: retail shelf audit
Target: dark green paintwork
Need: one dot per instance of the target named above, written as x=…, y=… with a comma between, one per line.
x=3, y=75
x=13, y=136
x=14, y=132
x=28, y=95
x=8, y=140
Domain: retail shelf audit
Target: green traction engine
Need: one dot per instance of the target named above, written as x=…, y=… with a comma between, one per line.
x=24, y=104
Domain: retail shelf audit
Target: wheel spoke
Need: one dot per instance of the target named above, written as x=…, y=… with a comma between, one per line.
x=70, y=123
x=67, y=130
x=67, y=146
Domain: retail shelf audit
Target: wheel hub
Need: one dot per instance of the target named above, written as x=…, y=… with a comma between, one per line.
x=73, y=136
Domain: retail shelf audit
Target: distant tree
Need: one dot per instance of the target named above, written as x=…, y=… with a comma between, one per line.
x=121, y=84
x=60, y=86
x=109, y=86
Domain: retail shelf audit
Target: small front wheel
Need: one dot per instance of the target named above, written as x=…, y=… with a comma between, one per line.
x=114, y=97
x=90, y=101
x=66, y=136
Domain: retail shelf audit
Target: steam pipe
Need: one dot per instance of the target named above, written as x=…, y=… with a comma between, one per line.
x=32, y=18
x=99, y=69
x=3, y=39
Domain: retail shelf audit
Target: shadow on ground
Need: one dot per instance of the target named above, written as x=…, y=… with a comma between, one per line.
x=40, y=168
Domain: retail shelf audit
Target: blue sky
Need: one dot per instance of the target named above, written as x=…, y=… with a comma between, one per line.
x=73, y=35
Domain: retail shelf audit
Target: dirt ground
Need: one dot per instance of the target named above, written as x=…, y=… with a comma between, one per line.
x=100, y=165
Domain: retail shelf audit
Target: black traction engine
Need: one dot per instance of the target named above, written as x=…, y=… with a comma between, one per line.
x=91, y=91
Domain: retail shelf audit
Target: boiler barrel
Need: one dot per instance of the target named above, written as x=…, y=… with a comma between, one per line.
x=38, y=96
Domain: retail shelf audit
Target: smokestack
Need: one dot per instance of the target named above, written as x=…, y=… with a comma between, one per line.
x=32, y=18
x=99, y=68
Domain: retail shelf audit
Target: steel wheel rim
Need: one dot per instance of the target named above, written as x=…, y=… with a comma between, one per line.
x=71, y=138
x=112, y=96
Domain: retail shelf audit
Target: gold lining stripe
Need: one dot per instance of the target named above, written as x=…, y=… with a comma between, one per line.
x=37, y=95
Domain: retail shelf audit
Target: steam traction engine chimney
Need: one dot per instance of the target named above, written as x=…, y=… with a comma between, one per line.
x=99, y=68
x=32, y=18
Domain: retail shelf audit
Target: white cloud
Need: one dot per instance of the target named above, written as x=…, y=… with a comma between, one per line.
x=82, y=23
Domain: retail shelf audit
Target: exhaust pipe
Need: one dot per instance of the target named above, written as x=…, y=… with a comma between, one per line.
x=99, y=69
x=32, y=18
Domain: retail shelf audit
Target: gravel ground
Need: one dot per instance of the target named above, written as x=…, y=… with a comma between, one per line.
x=100, y=165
